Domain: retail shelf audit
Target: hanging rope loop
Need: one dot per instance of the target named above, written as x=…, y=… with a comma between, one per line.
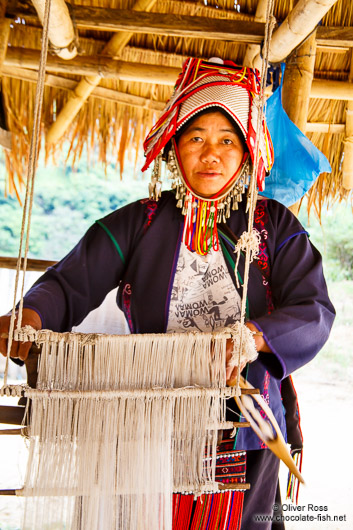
x=31, y=170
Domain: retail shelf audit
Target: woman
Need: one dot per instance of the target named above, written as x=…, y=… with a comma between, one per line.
x=173, y=257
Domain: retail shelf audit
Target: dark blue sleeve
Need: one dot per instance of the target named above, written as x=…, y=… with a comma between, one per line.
x=301, y=322
x=67, y=292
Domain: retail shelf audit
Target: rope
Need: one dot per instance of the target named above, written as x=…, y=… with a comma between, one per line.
x=249, y=245
x=28, y=203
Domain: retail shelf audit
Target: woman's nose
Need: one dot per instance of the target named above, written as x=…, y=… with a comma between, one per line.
x=210, y=154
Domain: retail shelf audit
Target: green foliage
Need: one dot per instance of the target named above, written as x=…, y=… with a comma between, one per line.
x=333, y=238
x=341, y=249
x=66, y=204
x=336, y=357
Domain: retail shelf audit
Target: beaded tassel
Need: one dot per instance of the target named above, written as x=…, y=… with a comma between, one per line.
x=200, y=228
x=292, y=482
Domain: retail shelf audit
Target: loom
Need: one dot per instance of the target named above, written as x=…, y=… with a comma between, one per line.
x=118, y=424
x=112, y=436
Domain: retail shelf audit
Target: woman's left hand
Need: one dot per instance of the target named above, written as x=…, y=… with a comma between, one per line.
x=232, y=371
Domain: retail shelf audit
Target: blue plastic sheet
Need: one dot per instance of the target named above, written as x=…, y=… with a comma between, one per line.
x=297, y=161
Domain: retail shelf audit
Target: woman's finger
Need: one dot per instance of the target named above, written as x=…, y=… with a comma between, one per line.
x=23, y=350
x=231, y=380
x=3, y=346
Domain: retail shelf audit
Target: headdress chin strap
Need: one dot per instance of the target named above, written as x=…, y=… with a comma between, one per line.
x=202, y=214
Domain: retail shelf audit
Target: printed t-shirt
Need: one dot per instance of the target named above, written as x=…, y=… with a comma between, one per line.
x=203, y=295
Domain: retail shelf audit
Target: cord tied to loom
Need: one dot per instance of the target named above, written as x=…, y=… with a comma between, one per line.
x=248, y=242
x=244, y=347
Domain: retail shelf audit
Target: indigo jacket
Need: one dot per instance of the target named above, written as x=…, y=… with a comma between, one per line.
x=137, y=248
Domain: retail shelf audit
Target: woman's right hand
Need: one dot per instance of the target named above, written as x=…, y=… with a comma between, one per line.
x=18, y=349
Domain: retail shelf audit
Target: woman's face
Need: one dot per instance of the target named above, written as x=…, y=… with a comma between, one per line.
x=211, y=152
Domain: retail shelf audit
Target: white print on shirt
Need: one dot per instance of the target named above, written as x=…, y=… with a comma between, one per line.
x=203, y=296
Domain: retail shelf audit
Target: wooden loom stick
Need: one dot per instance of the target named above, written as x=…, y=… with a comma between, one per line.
x=277, y=444
x=7, y=432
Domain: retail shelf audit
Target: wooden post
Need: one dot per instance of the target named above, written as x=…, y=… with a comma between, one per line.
x=86, y=85
x=347, y=166
x=297, y=81
x=252, y=50
x=5, y=135
x=4, y=32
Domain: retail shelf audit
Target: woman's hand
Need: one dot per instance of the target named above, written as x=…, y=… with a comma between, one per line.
x=260, y=343
x=232, y=371
x=18, y=349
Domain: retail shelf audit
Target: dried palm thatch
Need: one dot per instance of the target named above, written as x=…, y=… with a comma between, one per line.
x=114, y=129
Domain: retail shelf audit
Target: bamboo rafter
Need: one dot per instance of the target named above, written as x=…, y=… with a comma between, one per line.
x=61, y=30
x=144, y=73
x=298, y=25
x=56, y=81
x=83, y=90
x=249, y=31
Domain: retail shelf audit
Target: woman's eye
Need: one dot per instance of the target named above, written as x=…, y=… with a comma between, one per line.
x=227, y=141
x=196, y=139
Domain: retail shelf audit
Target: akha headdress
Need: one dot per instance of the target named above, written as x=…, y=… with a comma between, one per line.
x=235, y=90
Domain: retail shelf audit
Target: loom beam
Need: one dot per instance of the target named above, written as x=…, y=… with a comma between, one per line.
x=12, y=415
x=221, y=487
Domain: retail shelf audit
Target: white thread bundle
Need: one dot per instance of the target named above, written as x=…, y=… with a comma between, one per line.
x=114, y=431
x=111, y=362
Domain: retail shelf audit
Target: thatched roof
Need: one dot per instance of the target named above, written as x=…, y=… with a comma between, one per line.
x=114, y=122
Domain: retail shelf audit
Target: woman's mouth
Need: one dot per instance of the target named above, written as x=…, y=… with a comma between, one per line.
x=209, y=174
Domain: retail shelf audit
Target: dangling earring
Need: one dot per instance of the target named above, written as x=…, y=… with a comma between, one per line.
x=177, y=184
x=236, y=194
x=155, y=186
x=172, y=168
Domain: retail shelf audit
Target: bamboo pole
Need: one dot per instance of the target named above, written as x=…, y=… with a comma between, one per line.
x=252, y=50
x=329, y=89
x=296, y=90
x=244, y=29
x=322, y=127
x=347, y=165
x=298, y=77
x=97, y=66
x=5, y=135
x=64, y=83
x=300, y=22
x=61, y=30
x=166, y=24
x=87, y=84
x=4, y=32
x=21, y=58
